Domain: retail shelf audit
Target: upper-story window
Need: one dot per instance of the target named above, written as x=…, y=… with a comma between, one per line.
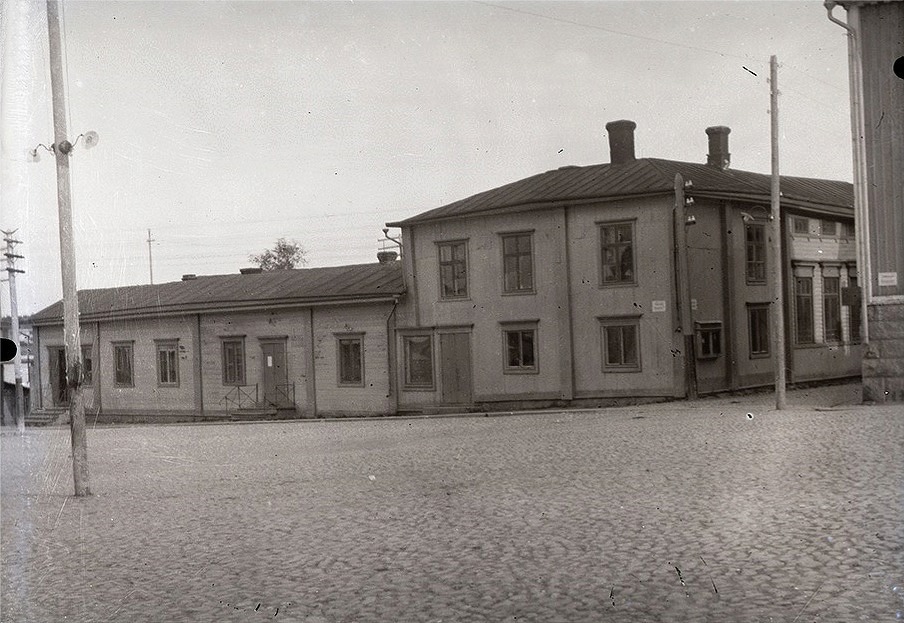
x=617, y=253
x=801, y=225
x=517, y=263
x=755, y=234
x=828, y=228
x=453, y=270
x=847, y=230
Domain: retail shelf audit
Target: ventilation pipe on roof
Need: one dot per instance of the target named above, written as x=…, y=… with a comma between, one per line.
x=718, y=147
x=621, y=141
x=189, y=277
x=254, y=270
x=387, y=257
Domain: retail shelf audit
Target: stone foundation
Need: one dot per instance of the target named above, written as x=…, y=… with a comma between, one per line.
x=883, y=361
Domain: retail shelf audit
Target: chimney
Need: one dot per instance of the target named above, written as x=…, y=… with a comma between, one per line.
x=386, y=257
x=189, y=277
x=254, y=270
x=718, y=147
x=621, y=141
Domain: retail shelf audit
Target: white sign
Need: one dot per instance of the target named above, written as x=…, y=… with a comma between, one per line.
x=658, y=306
x=694, y=304
x=888, y=279
x=269, y=361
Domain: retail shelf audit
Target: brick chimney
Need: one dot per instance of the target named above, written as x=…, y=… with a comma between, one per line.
x=718, y=147
x=621, y=141
x=387, y=257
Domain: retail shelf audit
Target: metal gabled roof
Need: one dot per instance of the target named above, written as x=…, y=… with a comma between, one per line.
x=237, y=291
x=645, y=176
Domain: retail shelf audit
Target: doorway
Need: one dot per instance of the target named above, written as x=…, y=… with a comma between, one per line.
x=275, y=376
x=455, y=367
x=59, y=389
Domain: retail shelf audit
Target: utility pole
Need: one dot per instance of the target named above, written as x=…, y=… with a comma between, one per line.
x=71, y=329
x=150, y=257
x=682, y=283
x=11, y=258
x=778, y=299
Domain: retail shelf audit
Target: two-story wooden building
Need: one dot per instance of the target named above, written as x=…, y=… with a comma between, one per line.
x=566, y=286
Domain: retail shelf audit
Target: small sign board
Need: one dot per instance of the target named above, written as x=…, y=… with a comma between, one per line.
x=694, y=304
x=658, y=306
x=888, y=279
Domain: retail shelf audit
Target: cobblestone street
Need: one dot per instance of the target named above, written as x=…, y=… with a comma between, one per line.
x=718, y=510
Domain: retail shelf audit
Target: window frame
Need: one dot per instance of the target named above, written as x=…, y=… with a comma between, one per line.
x=529, y=235
x=757, y=276
x=241, y=374
x=855, y=315
x=87, y=353
x=766, y=311
x=704, y=327
x=129, y=347
x=797, y=222
x=822, y=228
x=620, y=322
x=848, y=230
x=601, y=226
x=356, y=338
x=440, y=245
x=521, y=328
x=804, y=301
x=407, y=383
x=161, y=346
x=831, y=306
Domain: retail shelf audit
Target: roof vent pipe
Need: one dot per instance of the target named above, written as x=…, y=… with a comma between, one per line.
x=254, y=270
x=386, y=257
x=189, y=277
x=621, y=141
x=718, y=147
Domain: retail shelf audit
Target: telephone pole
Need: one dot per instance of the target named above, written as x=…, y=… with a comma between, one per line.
x=778, y=299
x=71, y=329
x=150, y=257
x=11, y=258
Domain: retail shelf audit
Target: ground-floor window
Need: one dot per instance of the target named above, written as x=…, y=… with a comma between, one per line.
x=620, y=344
x=831, y=308
x=803, y=310
x=87, y=365
x=168, y=363
x=709, y=339
x=350, y=355
x=233, y=361
x=123, y=364
x=418, y=351
x=758, y=329
x=520, y=343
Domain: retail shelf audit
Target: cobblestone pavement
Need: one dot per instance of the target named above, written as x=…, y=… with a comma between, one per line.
x=671, y=512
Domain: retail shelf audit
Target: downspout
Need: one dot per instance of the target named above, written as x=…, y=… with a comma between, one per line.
x=390, y=358
x=861, y=197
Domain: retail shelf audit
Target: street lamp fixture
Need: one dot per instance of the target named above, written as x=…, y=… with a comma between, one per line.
x=65, y=147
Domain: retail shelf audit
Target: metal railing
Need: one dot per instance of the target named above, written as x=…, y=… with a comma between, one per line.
x=284, y=397
x=241, y=397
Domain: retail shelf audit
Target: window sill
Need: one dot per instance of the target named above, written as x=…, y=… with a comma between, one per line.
x=617, y=284
x=456, y=299
x=418, y=388
x=519, y=293
x=517, y=371
x=620, y=370
x=350, y=385
x=760, y=355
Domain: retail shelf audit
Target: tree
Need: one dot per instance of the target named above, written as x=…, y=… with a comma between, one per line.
x=284, y=255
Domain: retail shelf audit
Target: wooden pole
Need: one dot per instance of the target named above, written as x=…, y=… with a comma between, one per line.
x=150, y=258
x=71, y=329
x=778, y=299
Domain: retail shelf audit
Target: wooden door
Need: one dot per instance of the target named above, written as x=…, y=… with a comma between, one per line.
x=275, y=377
x=58, y=387
x=455, y=367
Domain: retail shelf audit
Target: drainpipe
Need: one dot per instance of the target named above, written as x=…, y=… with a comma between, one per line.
x=390, y=358
x=861, y=197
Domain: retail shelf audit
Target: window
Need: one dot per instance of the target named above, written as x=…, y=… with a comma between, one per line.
x=828, y=228
x=453, y=270
x=758, y=328
x=709, y=339
x=847, y=230
x=87, y=365
x=617, y=253
x=803, y=309
x=801, y=225
x=517, y=263
x=620, y=345
x=831, y=308
x=234, y=361
x=520, y=349
x=418, y=361
x=854, y=310
x=756, y=252
x=168, y=363
x=350, y=350
x=122, y=364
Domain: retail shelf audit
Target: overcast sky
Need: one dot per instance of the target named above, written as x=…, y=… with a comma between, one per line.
x=226, y=125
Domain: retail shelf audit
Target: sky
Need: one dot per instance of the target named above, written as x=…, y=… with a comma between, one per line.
x=226, y=125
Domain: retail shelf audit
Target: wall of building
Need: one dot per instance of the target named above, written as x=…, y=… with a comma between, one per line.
x=51, y=338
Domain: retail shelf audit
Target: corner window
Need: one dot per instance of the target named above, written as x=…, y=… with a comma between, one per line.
x=453, y=270
x=517, y=263
x=847, y=230
x=418, y=351
x=620, y=347
x=758, y=330
x=709, y=340
x=831, y=308
x=350, y=349
x=87, y=365
x=616, y=253
x=168, y=363
x=755, y=235
x=803, y=310
x=122, y=364
x=233, y=361
x=801, y=225
x=520, y=344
